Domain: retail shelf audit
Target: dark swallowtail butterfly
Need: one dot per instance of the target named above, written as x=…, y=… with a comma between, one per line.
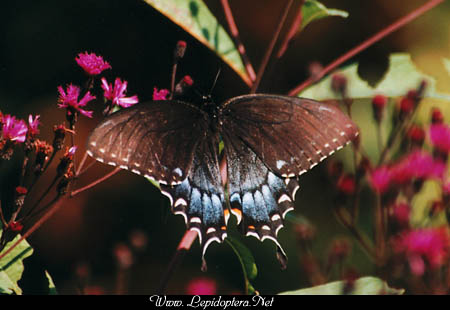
x=269, y=141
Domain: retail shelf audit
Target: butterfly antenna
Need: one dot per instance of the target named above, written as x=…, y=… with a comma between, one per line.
x=215, y=80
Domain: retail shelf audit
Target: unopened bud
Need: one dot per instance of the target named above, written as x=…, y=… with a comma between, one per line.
x=21, y=193
x=123, y=255
x=436, y=116
x=15, y=226
x=180, y=49
x=378, y=105
x=416, y=135
x=60, y=134
x=339, y=84
x=182, y=86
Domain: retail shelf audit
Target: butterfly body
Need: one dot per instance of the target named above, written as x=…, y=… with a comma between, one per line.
x=269, y=140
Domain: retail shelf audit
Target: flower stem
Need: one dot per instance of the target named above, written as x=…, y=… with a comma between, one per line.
x=295, y=28
x=55, y=204
x=362, y=239
x=269, y=50
x=105, y=177
x=379, y=230
x=237, y=40
x=184, y=246
x=39, y=200
x=370, y=41
x=83, y=160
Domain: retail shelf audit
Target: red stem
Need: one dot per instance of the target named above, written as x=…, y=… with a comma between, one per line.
x=105, y=177
x=372, y=40
x=184, y=246
x=295, y=28
x=53, y=209
x=269, y=50
x=237, y=40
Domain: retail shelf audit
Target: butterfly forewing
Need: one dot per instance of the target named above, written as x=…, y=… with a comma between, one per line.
x=155, y=139
x=171, y=142
x=290, y=135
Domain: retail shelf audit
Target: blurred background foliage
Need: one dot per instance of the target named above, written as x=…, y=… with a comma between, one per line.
x=40, y=40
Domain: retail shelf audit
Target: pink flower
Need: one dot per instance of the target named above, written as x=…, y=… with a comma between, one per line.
x=417, y=165
x=440, y=137
x=160, y=94
x=14, y=130
x=381, y=179
x=33, y=124
x=72, y=151
x=427, y=244
x=201, y=286
x=401, y=213
x=69, y=99
x=91, y=63
x=117, y=93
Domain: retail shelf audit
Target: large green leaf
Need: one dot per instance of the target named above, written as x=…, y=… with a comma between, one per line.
x=446, y=64
x=401, y=77
x=11, y=267
x=314, y=10
x=247, y=262
x=195, y=18
x=362, y=286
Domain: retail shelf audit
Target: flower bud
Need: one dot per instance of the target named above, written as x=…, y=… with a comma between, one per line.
x=59, y=136
x=21, y=193
x=66, y=162
x=179, y=50
x=436, y=116
x=339, y=84
x=182, y=86
x=416, y=135
x=43, y=151
x=15, y=226
x=346, y=184
x=378, y=105
x=123, y=255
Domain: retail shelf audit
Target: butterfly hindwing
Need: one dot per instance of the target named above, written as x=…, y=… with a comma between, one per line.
x=155, y=139
x=258, y=198
x=200, y=197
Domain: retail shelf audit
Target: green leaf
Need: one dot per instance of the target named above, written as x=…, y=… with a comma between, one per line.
x=446, y=64
x=247, y=262
x=401, y=77
x=11, y=266
x=362, y=286
x=314, y=10
x=51, y=285
x=196, y=19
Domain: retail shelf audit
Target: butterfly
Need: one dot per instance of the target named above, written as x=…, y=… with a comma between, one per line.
x=268, y=142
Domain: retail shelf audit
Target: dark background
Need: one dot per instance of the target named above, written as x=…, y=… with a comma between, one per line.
x=39, y=41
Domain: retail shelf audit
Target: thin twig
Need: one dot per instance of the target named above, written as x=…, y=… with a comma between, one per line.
x=2, y=217
x=105, y=177
x=56, y=204
x=184, y=246
x=77, y=173
x=269, y=50
x=295, y=28
x=372, y=40
x=39, y=200
x=360, y=237
x=237, y=40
